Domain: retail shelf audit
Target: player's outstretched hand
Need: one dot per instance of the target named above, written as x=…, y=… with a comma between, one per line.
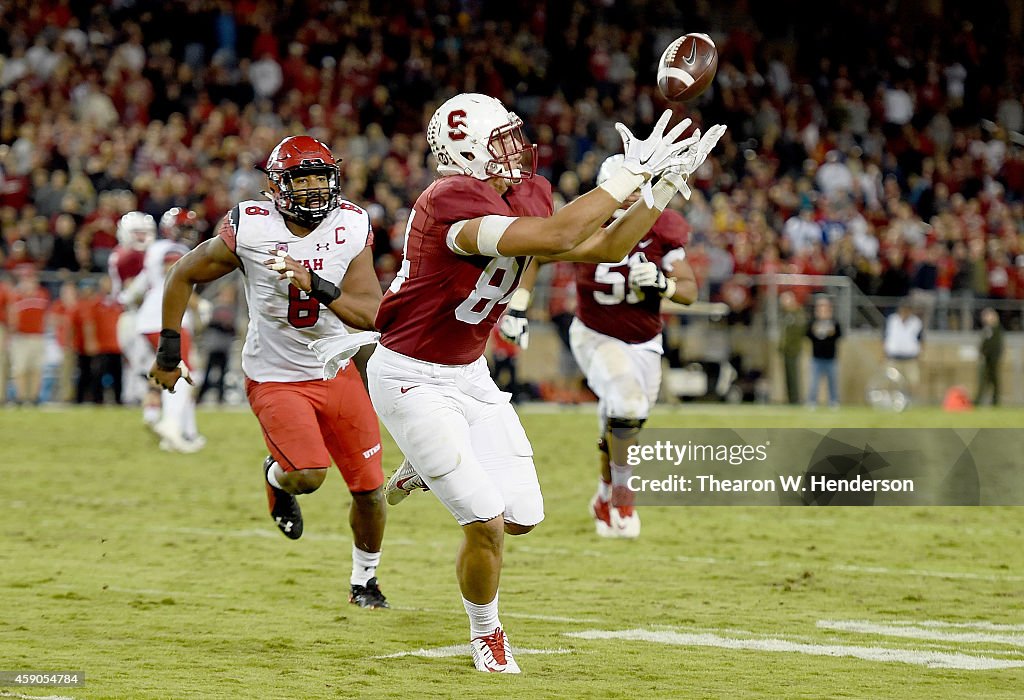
x=653, y=154
x=288, y=268
x=693, y=157
x=167, y=378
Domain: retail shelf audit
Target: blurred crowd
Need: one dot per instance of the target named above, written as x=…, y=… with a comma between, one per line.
x=880, y=142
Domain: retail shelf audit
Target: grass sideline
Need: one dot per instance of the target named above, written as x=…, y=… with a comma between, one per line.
x=161, y=576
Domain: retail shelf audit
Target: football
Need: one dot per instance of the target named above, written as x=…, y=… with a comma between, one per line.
x=687, y=67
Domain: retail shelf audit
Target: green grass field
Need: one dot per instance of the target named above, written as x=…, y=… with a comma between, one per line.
x=161, y=576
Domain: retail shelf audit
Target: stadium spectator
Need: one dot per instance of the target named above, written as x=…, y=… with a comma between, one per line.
x=990, y=356
x=83, y=340
x=61, y=315
x=27, y=314
x=107, y=363
x=902, y=344
x=824, y=332
x=306, y=421
x=428, y=379
x=792, y=331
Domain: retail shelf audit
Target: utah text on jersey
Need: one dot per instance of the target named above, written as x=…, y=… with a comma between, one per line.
x=282, y=318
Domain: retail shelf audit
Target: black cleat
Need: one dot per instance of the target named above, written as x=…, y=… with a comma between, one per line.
x=368, y=596
x=284, y=507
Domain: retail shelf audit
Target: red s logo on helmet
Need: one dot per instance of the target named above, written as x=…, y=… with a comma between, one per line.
x=456, y=120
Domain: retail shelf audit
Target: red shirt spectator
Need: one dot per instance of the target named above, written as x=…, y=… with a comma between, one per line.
x=61, y=313
x=27, y=308
x=104, y=315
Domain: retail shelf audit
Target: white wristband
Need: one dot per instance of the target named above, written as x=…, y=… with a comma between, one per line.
x=520, y=299
x=664, y=193
x=621, y=184
x=492, y=228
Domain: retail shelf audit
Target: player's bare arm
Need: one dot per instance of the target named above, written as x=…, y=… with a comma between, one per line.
x=360, y=293
x=686, y=283
x=613, y=242
x=207, y=262
x=355, y=302
x=531, y=235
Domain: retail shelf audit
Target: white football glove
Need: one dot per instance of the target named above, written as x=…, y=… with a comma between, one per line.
x=644, y=274
x=688, y=161
x=652, y=155
x=514, y=327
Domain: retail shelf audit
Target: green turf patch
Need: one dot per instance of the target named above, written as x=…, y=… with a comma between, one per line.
x=161, y=576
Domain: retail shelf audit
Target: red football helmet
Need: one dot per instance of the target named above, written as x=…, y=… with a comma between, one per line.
x=181, y=225
x=303, y=156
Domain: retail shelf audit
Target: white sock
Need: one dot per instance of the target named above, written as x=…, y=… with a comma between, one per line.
x=174, y=407
x=620, y=474
x=272, y=476
x=188, y=423
x=150, y=414
x=482, y=618
x=364, y=566
x=604, y=490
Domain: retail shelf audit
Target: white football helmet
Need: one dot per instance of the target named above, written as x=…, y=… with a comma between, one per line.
x=136, y=230
x=473, y=134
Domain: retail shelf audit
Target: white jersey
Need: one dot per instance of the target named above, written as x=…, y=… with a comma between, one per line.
x=150, y=282
x=282, y=319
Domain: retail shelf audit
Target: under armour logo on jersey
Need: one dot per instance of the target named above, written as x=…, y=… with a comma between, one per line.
x=323, y=246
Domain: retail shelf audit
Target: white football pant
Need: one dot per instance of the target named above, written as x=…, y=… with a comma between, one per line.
x=460, y=433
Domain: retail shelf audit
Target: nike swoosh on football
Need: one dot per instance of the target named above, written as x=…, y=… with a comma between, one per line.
x=407, y=388
x=691, y=59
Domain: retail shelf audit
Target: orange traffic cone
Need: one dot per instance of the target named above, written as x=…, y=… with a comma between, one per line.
x=957, y=400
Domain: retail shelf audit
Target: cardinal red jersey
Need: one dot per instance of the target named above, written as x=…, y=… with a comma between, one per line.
x=124, y=265
x=442, y=306
x=607, y=305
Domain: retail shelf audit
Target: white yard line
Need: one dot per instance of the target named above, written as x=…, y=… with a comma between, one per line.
x=930, y=659
x=979, y=625
x=461, y=650
x=915, y=631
